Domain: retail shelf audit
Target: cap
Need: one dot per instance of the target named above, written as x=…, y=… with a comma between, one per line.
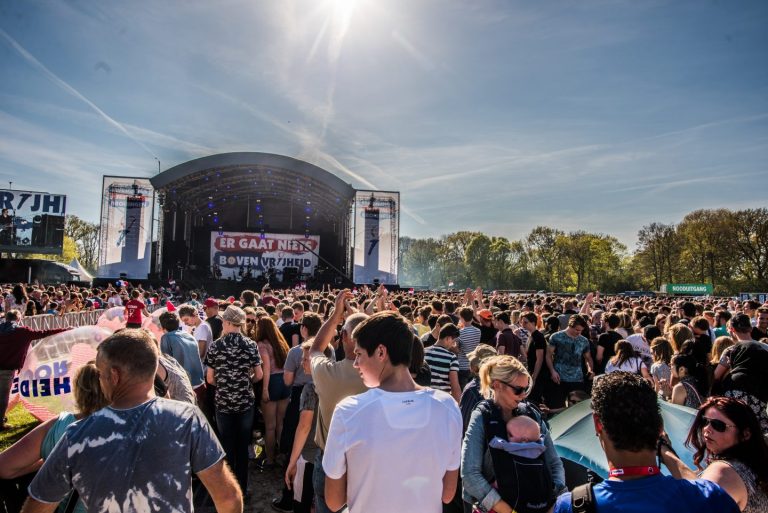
x=234, y=315
x=210, y=303
x=481, y=352
x=485, y=314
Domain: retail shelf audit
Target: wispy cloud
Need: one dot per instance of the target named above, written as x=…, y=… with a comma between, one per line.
x=71, y=90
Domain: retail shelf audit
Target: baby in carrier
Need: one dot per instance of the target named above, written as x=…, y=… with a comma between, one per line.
x=522, y=476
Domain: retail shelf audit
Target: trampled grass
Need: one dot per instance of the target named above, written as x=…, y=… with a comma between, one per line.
x=20, y=422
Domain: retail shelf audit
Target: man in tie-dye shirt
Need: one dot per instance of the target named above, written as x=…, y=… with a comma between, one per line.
x=139, y=453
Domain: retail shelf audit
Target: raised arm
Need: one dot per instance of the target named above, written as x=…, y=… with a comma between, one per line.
x=328, y=329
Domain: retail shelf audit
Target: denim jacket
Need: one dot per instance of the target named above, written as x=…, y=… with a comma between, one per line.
x=477, y=468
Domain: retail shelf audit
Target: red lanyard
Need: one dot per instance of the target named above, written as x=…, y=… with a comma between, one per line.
x=634, y=471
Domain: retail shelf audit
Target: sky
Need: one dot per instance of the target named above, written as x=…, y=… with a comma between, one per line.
x=492, y=116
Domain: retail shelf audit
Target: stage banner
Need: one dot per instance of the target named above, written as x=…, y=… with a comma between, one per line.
x=234, y=254
x=126, y=227
x=32, y=222
x=377, y=237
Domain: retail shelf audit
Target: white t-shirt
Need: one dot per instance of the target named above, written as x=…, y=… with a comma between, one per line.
x=632, y=365
x=395, y=448
x=203, y=332
x=640, y=346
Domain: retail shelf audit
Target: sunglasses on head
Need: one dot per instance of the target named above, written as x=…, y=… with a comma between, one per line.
x=717, y=424
x=517, y=390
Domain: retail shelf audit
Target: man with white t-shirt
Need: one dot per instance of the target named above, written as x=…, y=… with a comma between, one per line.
x=395, y=447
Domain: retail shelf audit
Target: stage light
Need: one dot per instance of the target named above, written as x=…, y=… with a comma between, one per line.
x=215, y=219
x=210, y=204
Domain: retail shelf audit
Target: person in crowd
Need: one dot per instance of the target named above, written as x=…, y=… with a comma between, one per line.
x=298, y=474
x=469, y=337
x=727, y=438
x=273, y=350
x=536, y=357
x=212, y=317
x=565, y=353
x=741, y=372
x=606, y=342
x=505, y=383
x=628, y=424
x=14, y=344
x=471, y=395
x=396, y=446
x=691, y=377
x=661, y=370
x=134, y=309
x=334, y=380
x=507, y=342
x=722, y=316
x=760, y=329
x=626, y=359
x=148, y=446
x=27, y=455
x=182, y=347
x=443, y=363
x=233, y=363
x=678, y=334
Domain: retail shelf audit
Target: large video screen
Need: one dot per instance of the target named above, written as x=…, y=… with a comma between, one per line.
x=377, y=232
x=32, y=222
x=126, y=227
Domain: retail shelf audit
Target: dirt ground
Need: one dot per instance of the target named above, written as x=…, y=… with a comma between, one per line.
x=265, y=486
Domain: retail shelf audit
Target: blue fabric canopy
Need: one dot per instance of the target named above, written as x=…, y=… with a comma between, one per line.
x=573, y=432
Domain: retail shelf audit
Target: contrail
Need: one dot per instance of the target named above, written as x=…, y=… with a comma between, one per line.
x=71, y=90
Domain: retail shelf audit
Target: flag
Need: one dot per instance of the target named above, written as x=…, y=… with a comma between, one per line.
x=169, y=306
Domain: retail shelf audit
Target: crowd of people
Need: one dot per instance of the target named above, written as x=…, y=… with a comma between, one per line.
x=374, y=400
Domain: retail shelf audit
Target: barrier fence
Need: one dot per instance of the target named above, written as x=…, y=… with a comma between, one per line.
x=67, y=320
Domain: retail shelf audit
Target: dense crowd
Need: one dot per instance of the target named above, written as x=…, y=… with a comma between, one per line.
x=405, y=401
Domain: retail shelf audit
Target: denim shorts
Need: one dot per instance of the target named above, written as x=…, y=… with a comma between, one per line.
x=277, y=387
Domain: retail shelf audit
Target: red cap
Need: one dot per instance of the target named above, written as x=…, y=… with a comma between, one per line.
x=210, y=303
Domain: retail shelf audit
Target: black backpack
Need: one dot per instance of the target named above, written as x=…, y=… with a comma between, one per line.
x=523, y=483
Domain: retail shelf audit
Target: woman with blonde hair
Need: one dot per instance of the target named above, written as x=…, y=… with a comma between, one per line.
x=275, y=393
x=678, y=335
x=27, y=455
x=505, y=384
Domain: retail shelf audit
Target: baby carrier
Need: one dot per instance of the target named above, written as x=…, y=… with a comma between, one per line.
x=524, y=483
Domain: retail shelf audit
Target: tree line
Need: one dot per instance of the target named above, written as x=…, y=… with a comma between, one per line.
x=81, y=241
x=728, y=249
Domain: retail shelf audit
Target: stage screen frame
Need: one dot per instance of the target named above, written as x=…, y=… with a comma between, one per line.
x=33, y=215
x=124, y=251
x=376, y=260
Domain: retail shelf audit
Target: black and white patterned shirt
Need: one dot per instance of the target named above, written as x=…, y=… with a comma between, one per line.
x=232, y=358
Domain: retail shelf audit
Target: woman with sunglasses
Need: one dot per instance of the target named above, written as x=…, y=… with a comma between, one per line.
x=727, y=437
x=505, y=384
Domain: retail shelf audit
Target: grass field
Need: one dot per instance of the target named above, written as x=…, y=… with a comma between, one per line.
x=21, y=423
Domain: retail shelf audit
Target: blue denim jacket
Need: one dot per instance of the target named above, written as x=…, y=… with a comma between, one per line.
x=477, y=468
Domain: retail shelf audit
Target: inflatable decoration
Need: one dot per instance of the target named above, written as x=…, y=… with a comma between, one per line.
x=44, y=385
x=152, y=323
x=112, y=319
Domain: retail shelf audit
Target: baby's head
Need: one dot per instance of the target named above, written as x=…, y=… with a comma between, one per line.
x=523, y=429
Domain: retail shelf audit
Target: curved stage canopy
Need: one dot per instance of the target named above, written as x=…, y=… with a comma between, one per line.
x=254, y=193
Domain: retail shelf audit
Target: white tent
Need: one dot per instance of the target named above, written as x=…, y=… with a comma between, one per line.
x=84, y=275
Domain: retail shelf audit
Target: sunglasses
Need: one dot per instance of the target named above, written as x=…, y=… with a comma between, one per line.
x=250, y=321
x=517, y=390
x=717, y=424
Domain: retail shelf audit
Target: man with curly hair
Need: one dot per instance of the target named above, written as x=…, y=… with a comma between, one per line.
x=628, y=423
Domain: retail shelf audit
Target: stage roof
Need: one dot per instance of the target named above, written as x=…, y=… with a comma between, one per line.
x=230, y=177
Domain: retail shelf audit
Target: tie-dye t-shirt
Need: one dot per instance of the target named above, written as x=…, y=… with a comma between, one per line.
x=140, y=459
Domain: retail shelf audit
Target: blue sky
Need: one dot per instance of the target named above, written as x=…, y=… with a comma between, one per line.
x=493, y=116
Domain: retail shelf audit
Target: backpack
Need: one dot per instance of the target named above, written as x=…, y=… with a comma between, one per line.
x=523, y=483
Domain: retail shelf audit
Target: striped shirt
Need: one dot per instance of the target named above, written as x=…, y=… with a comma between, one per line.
x=469, y=337
x=441, y=361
